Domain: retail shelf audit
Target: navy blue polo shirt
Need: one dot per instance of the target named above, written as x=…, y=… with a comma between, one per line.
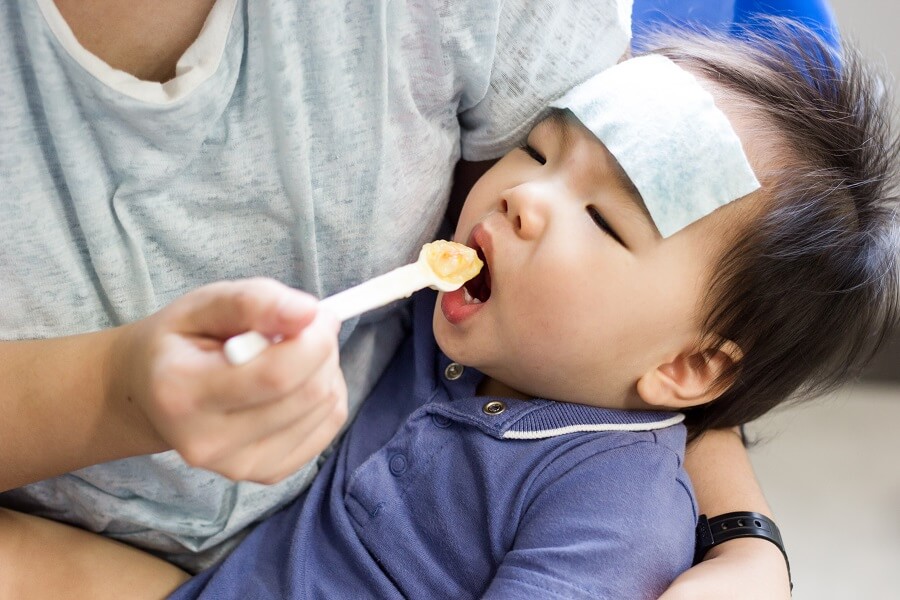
x=435, y=492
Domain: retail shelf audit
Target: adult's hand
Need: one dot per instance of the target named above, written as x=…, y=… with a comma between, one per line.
x=259, y=421
x=163, y=382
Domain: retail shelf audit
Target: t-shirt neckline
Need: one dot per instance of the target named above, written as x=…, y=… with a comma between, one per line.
x=198, y=63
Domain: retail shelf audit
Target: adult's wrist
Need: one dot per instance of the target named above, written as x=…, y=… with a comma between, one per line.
x=757, y=555
x=127, y=426
x=747, y=547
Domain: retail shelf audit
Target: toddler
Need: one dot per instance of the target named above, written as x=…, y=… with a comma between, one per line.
x=528, y=439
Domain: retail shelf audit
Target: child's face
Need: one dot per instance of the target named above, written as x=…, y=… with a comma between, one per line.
x=585, y=296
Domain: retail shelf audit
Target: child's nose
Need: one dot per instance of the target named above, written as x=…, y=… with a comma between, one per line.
x=527, y=209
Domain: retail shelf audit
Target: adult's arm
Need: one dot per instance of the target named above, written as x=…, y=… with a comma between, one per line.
x=58, y=412
x=163, y=382
x=724, y=482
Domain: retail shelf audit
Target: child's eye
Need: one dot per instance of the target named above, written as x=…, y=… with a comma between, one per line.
x=534, y=154
x=602, y=224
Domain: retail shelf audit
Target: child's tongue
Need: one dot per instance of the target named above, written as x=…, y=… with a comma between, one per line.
x=459, y=305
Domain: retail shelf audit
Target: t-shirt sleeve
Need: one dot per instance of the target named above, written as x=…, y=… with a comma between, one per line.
x=619, y=524
x=542, y=49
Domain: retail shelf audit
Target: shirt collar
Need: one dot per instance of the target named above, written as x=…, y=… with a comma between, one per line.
x=450, y=389
x=512, y=418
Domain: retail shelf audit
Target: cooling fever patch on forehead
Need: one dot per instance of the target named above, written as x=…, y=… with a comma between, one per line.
x=676, y=146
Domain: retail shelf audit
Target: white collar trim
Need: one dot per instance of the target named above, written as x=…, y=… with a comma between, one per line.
x=548, y=433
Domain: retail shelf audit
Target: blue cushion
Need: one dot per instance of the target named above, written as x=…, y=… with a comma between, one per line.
x=729, y=15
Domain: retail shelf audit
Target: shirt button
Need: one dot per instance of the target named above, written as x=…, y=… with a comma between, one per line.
x=441, y=421
x=494, y=407
x=453, y=371
x=397, y=464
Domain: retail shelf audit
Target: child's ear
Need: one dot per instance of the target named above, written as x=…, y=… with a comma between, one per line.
x=687, y=380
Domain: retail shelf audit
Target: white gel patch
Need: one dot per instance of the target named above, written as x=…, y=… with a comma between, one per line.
x=676, y=146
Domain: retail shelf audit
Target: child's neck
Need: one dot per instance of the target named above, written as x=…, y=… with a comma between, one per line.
x=498, y=389
x=492, y=387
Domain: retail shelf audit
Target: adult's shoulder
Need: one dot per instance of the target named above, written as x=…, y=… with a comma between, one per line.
x=511, y=58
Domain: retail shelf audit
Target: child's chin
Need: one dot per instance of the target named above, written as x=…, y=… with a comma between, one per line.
x=455, y=345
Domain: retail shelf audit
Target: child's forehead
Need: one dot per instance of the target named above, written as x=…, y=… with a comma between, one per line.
x=567, y=128
x=665, y=130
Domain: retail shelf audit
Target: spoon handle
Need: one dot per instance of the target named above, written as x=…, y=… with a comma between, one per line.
x=402, y=282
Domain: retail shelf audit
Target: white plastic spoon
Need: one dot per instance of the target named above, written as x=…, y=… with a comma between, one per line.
x=442, y=265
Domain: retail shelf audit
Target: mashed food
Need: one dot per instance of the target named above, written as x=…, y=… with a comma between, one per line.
x=452, y=262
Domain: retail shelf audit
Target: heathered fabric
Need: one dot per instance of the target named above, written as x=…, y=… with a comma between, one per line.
x=309, y=141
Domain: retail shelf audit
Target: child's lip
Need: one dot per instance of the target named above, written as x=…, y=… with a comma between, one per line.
x=453, y=304
x=480, y=239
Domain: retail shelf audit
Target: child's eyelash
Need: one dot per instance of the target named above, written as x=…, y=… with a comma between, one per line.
x=600, y=222
x=534, y=154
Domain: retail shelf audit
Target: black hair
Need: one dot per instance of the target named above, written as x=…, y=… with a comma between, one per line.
x=809, y=291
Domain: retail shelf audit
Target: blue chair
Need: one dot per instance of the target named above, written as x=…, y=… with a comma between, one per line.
x=730, y=15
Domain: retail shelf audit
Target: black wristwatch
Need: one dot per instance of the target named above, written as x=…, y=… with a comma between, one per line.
x=712, y=532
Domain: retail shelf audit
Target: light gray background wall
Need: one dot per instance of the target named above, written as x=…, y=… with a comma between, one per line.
x=874, y=26
x=831, y=470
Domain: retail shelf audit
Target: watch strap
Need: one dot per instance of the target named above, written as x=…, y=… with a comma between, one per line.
x=733, y=525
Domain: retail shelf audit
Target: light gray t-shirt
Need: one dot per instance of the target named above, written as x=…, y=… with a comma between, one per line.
x=309, y=141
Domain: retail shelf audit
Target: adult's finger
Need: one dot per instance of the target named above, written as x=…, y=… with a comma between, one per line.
x=277, y=372
x=311, y=403
x=227, y=308
x=312, y=444
x=272, y=459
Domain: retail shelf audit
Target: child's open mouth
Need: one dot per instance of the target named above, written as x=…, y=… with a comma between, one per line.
x=470, y=298
x=478, y=289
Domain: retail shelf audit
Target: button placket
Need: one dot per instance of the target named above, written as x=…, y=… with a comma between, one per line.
x=453, y=371
x=398, y=464
x=493, y=408
x=441, y=421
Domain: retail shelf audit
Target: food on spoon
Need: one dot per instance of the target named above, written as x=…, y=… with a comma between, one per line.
x=449, y=265
x=454, y=263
